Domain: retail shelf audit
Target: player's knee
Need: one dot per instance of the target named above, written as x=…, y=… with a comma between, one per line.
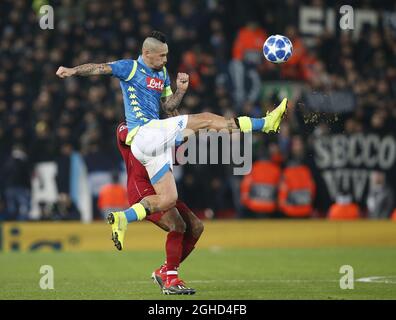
x=180, y=226
x=197, y=228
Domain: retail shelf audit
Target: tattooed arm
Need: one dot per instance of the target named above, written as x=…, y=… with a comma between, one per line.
x=89, y=69
x=171, y=103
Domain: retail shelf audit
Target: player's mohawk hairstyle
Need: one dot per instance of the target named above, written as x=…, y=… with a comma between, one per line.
x=158, y=35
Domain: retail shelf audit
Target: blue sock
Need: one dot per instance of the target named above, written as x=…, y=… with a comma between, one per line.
x=257, y=124
x=131, y=215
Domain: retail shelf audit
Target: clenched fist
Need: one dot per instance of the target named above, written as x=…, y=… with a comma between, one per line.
x=182, y=81
x=64, y=72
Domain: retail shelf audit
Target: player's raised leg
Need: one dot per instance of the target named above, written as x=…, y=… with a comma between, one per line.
x=269, y=123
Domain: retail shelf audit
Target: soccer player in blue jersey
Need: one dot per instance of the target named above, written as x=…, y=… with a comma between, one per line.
x=146, y=88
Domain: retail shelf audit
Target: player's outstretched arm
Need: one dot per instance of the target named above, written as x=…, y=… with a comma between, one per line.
x=171, y=103
x=88, y=69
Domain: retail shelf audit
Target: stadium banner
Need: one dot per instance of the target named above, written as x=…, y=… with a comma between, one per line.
x=316, y=21
x=345, y=162
x=142, y=236
x=336, y=101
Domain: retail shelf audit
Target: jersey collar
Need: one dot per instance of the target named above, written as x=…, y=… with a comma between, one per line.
x=141, y=61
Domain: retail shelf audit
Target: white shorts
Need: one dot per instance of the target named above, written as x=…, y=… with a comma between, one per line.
x=153, y=144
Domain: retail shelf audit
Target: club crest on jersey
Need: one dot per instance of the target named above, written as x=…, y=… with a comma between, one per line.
x=155, y=83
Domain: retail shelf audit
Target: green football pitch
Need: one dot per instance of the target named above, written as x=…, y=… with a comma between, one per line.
x=215, y=274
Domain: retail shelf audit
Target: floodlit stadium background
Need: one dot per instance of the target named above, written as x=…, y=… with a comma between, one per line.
x=57, y=137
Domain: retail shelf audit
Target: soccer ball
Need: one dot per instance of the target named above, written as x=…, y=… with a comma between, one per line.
x=277, y=49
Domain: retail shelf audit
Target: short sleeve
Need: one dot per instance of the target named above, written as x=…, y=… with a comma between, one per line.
x=121, y=68
x=167, y=86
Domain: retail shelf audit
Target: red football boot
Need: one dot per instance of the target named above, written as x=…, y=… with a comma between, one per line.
x=176, y=286
x=159, y=276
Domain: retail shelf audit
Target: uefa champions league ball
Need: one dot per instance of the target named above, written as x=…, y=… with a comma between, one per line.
x=277, y=49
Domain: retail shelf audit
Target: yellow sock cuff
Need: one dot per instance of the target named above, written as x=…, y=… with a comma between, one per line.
x=140, y=211
x=245, y=124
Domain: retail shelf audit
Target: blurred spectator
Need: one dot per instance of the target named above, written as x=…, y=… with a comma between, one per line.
x=3, y=210
x=246, y=57
x=248, y=44
x=63, y=164
x=190, y=65
x=297, y=187
x=344, y=208
x=17, y=175
x=294, y=68
x=42, y=146
x=259, y=188
x=64, y=209
x=381, y=198
x=113, y=196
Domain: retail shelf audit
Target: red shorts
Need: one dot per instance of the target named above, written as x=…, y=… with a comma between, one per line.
x=138, y=182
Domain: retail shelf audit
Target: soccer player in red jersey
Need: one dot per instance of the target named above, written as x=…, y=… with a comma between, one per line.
x=183, y=226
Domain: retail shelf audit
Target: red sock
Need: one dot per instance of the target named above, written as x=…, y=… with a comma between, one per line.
x=188, y=245
x=188, y=241
x=173, y=253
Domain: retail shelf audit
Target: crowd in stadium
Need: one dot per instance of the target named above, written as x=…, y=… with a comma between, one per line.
x=45, y=119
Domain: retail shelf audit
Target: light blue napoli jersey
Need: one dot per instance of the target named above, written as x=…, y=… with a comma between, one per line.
x=142, y=89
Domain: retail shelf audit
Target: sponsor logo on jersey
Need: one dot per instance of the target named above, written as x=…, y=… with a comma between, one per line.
x=155, y=84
